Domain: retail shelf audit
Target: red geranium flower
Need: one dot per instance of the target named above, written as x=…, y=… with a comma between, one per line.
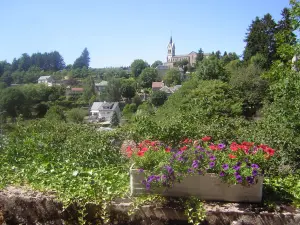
x=206, y=138
x=140, y=153
x=129, y=151
x=270, y=151
x=144, y=149
x=153, y=143
x=234, y=146
x=232, y=156
x=168, y=149
x=213, y=147
x=183, y=148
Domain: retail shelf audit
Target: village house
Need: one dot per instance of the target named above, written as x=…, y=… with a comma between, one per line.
x=103, y=111
x=157, y=85
x=101, y=87
x=48, y=80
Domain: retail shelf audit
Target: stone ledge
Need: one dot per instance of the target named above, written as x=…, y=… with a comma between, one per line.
x=23, y=206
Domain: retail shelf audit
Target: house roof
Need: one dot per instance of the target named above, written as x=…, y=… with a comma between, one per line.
x=157, y=84
x=104, y=106
x=162, y=67
x=175, y=88
x=77, y=89
x=166, y=89
x=44, y=77
x=102, y=83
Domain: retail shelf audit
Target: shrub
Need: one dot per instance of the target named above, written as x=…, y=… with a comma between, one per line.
x=76, y=115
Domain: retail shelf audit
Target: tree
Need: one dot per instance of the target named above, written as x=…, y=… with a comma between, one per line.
x=89, y=89
x=172, y=77
x=128, y=90
x=129, y=110
x=285, y=38
x=158, y=98
x=250, y=87
x=113, y=90
x=55, y=113
x=227, y=58
x=11, y=101
x=83, y=60
x=137, y=100
x=218, y=54
x=76, y=115
x=259, y=61
x=114, y=120
x=211, y=69
x=261, y=39
x=156, y=63
x=137, y=67
x=200, y=56
x=148, y=76
x=24, y=62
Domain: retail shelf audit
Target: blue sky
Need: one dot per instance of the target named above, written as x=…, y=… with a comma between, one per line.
x=118, y=31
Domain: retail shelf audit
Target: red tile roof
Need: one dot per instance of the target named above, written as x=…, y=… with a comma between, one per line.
x=157, y=84
x=77, y=89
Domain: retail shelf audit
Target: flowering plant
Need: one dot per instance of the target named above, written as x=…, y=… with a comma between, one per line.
x=234, y=163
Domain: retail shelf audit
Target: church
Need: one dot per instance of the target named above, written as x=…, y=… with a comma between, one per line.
x=172, y=57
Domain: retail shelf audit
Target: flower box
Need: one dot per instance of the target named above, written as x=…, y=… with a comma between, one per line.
x=207, y=187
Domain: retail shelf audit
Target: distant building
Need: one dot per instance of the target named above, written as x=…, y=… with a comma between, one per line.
x=172, y=58
x=157, y=86
x=103, y=111
x=101, y=87
x=170, y=90
x=48, y=80
x=161, y=70
x=74, y=92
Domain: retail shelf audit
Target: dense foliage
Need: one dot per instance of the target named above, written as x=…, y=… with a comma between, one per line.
x=77, y=162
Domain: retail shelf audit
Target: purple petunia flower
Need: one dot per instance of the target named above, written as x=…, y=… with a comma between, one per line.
x=221, y=146
x=236, y=167
x=211, y=164
x=239, y=178
x=151, y=178
x=222, y=174
x=195, y=164
x=212, y=158
x=190, y=170
x=200, y=157
x=199, y=172
x=254, y=173
x=254, y=166
x=147, y=186
x=169, y=169
x=250, y=180
x=141, y=170
x=225, y=167
x=238, y=163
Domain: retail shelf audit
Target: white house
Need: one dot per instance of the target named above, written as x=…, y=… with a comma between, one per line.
x=48, y=80
x=104, y=111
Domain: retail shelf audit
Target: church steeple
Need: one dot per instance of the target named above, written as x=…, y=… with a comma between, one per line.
x=171, y=50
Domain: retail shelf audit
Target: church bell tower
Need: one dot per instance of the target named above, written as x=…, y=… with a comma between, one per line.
x=171, y=50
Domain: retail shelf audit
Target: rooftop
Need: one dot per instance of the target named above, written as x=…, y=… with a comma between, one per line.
x=44, y=77
x=157, y=84
x=102, y=83
x=104, y=106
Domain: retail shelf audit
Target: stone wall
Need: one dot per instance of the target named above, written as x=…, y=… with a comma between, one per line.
x=23, y=206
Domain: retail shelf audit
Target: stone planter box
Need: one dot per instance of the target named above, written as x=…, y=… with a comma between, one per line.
x=207, y=187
